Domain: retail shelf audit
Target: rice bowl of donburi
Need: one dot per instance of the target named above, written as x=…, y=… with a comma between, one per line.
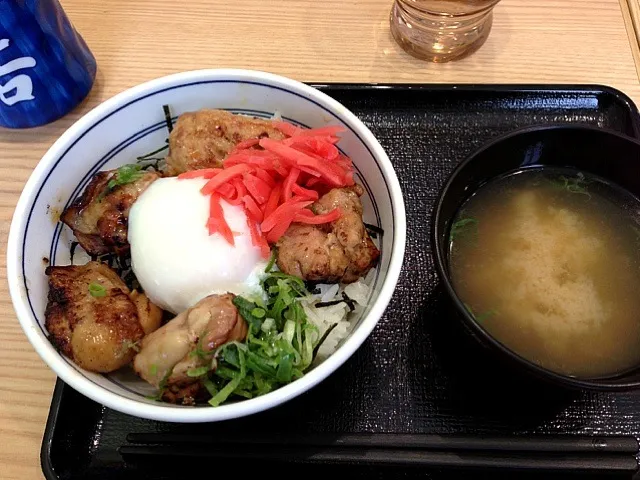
x=226, y=239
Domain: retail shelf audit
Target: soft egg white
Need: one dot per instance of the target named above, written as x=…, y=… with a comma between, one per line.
x=173, y=256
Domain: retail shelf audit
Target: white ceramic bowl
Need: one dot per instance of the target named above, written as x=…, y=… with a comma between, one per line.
x=131, y=124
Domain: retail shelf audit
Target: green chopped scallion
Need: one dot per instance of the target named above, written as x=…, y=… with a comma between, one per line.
x=272, y=261
x=197, y=372
x=96, y=290
x=228, y=389
x=210, y=386
x=279, y=347
x=125, y=174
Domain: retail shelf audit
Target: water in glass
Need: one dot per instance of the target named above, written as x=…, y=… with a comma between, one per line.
x=441, y=30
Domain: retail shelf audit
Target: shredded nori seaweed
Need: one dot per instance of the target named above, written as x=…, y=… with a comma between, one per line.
x=167, y=117
x=345, y=298
x=323, y=338
x=72, y=251
x=373, y=230
x=121, y=264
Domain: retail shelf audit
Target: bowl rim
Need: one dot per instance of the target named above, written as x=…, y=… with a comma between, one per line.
x=172, y=413
x=479, y=333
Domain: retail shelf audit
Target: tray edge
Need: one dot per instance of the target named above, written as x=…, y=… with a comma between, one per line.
x=50, y=426
x=614, y=92
x=56, y=397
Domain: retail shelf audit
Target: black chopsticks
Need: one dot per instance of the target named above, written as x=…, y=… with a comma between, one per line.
x=560, y=453
x=563, y=443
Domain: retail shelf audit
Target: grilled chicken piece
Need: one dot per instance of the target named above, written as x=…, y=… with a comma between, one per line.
x=341, y=251
x=97, y=331
x=99, y=217
x=202, y=139
x=166, y=353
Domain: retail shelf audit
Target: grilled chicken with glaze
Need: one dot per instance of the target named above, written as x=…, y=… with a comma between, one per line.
x=99, y=217
x=166, y=355
x=340, y=251
x=202, y=139
x=94, y=319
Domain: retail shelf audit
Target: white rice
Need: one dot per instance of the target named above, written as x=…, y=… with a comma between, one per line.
x=339, y=314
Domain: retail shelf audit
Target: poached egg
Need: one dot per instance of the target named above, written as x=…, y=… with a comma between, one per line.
x=173, y=256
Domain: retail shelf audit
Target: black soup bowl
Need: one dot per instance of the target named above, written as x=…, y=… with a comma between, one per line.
x=609, y=155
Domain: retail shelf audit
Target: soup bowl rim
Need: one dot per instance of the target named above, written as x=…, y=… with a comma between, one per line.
x=441, y=263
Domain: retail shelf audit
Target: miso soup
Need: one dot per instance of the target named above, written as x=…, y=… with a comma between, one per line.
x=547, y=261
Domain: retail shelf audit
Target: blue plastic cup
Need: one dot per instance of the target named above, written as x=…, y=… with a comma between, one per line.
x=46, y=68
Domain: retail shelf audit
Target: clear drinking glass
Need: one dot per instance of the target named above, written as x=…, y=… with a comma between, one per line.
x=441, y=30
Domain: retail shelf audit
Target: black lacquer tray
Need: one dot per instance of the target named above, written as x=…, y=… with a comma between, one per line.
x=416, y=373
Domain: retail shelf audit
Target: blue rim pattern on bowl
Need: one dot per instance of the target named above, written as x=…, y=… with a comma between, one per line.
x=151, y=129
x=154, y=128
x=132, y=140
